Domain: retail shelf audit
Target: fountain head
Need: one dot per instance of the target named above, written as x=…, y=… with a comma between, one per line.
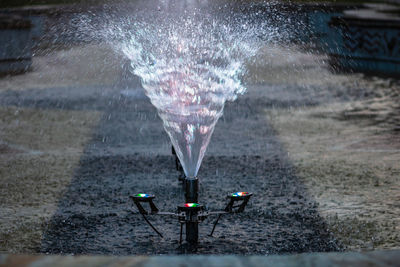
x=191, y=189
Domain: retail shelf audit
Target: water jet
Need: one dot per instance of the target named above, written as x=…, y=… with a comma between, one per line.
x=190, y=66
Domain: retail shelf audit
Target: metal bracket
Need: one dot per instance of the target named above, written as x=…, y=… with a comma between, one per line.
x=236, y=197
x=244, y=197
x=145, y=198
x=191, y=214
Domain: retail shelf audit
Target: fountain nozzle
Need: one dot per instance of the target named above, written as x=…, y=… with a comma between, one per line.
x=191, y=190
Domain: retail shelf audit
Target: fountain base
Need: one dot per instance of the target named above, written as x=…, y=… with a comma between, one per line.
x=191, y=213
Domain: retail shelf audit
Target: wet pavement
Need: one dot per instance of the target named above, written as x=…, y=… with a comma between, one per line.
x=128, y=153
x=76, y=140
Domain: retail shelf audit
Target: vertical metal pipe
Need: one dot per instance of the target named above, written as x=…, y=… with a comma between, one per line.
x=191, y=190
x=192, y=232
x=191, y=196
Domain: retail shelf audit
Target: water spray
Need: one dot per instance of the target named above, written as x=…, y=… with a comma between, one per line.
x=189, y=65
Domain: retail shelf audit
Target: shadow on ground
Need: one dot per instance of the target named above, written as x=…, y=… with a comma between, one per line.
x=129, y=153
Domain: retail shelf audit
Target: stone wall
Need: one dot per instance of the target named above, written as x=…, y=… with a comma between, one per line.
x=367, y=40
x=15, y=44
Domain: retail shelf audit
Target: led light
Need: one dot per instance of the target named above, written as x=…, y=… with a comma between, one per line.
x=142, y=195
x=240, y=194
x=191, y=205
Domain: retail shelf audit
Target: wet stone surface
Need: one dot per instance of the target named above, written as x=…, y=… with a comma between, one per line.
x=340, y=134
x=129, y=153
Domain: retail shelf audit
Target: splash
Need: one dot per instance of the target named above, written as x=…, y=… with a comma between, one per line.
x=189, y=65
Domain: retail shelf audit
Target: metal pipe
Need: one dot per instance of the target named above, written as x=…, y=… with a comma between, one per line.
x=192, y=232
x=192, y=224
x=191, y=190
x=215, y=225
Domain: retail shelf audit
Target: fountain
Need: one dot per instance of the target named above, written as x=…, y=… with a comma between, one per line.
x=189, y=70
x=190, y=61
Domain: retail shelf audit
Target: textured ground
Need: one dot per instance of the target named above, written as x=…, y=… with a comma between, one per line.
x=73, y=148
